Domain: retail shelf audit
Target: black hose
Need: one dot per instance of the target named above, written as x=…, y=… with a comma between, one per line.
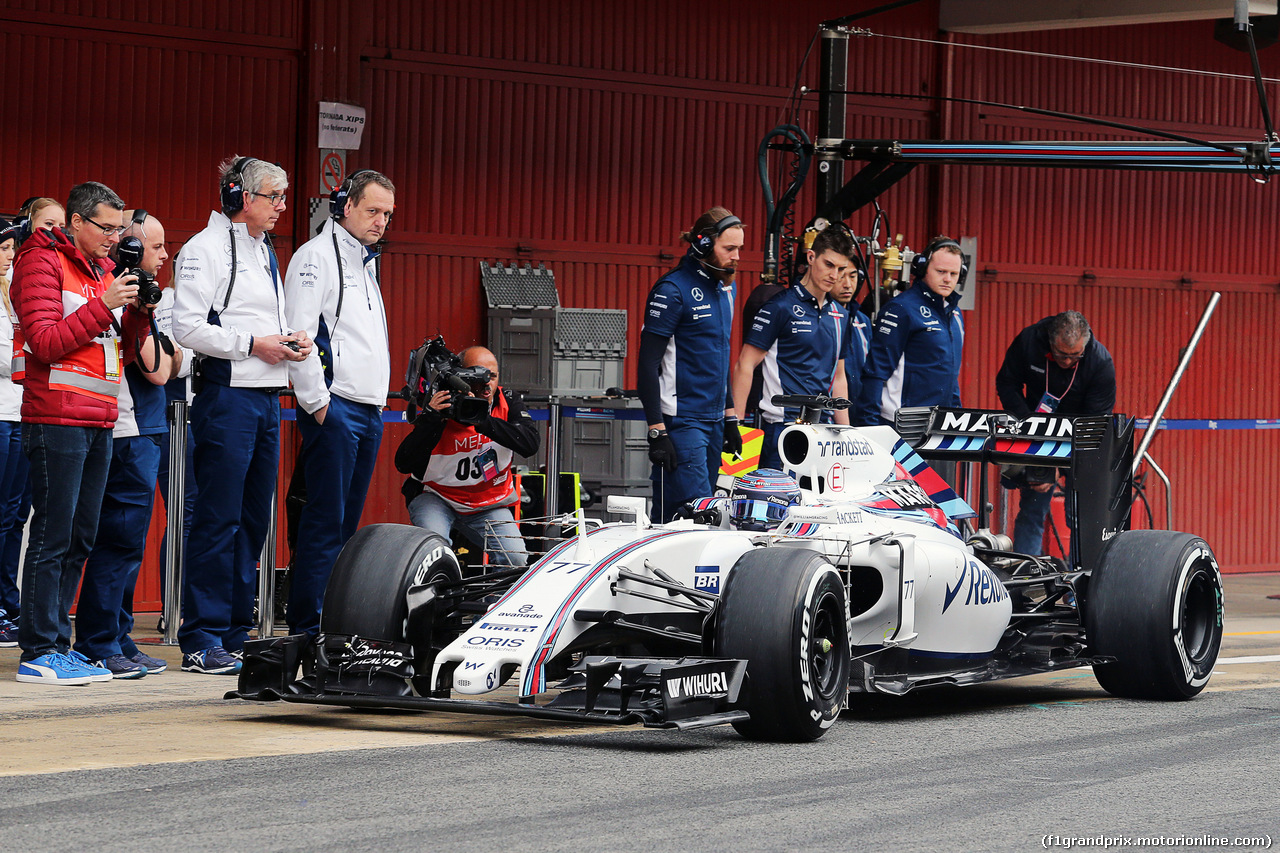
x=779, y=213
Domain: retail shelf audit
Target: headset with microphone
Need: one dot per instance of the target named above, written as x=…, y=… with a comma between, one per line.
x=920, y=263
x=338, y=198
x=131, y=246
x=233, y=187
x=705, y=241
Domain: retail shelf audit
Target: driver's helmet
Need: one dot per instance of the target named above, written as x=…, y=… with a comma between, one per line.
x=759, y=500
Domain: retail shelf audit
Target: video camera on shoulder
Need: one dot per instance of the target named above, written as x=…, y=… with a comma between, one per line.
x=130, y=256
x=432, y=368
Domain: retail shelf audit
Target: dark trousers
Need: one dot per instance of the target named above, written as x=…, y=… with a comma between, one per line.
x=769, y=455
x=68, y=474
x=103, y=621
x=338, y=458
x=15, y=506
x=237, y=439
x=698, y=446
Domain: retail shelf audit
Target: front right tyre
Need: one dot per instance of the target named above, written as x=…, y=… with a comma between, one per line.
x=784, y=611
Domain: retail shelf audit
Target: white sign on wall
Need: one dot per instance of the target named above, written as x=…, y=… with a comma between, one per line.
x=341, y=125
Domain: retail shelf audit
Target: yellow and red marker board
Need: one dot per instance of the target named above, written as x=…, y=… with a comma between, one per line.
x=752, y=444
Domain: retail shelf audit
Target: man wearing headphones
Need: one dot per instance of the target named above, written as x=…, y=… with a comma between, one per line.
x=799, y=335
x=683, y=375
x=1055, y=365
x=104, y=612
x=229, y=307
x=333, y=292
x=914, y=357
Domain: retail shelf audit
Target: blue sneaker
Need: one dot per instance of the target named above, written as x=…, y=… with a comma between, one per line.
x=121, y=667
x=154, y=666
x=53, y=668
x=8, y=634
x=213, y=661
x=98, y=673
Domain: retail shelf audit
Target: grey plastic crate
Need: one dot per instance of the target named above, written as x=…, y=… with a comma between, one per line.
x=526, y=286
x=585, y=376
x=591, y=331
x=602, y=448
x=592, y=448
x=602, y=489
x=521, y=341
x=635, y=456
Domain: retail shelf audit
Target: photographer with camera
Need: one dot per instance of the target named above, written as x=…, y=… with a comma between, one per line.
x=104, y=613
x=1055, y=366
x=459, y=455
x=333, y=291
x=65, y=294
x=229, y=307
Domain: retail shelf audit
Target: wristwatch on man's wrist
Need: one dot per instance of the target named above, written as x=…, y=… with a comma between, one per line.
x=656, y=432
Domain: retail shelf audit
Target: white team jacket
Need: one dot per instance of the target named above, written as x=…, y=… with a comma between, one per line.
x=256, y=306
x=358, y=342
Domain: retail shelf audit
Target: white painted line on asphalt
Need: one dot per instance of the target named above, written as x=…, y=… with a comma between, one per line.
x=1249, y=659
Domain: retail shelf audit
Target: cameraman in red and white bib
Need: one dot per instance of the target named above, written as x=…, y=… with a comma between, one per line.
x=460, y=473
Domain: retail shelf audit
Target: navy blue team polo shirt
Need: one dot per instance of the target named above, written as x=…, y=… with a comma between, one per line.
x=694, y=312
x=857, y=342
x=802, y=342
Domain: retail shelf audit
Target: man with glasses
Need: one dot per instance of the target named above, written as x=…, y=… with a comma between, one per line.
x=334, y=292
x=229, y=308
x=64, y=294
x=1057, y=366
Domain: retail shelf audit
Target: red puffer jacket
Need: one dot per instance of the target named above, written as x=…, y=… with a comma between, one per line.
x=61, y=322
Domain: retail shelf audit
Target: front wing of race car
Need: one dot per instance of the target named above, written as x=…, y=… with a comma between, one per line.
x=682, y=693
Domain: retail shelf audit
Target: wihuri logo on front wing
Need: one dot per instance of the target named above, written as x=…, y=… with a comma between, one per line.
x=697, y=685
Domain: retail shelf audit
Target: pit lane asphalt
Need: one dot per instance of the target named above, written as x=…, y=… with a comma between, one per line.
x=164, y=761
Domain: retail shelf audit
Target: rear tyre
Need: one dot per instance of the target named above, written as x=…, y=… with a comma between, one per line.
x=370, y=579
x=784, y=612
x=1155, y=604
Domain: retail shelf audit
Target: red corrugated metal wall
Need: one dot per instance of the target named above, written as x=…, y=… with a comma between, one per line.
x=147, y=97
x=587, y=136
x=1154, y=246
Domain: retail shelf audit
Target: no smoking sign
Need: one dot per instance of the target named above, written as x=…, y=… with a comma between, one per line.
x=333, y=169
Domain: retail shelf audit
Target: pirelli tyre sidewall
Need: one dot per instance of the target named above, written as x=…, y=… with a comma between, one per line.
x=784, y=611
x=366, y=593
x=1155, y=604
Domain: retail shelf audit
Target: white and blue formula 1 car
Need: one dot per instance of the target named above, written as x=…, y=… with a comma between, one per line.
x=771, y=610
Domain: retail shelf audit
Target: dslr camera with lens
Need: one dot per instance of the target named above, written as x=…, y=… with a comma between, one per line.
x=130, y=255
x=433, y=367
